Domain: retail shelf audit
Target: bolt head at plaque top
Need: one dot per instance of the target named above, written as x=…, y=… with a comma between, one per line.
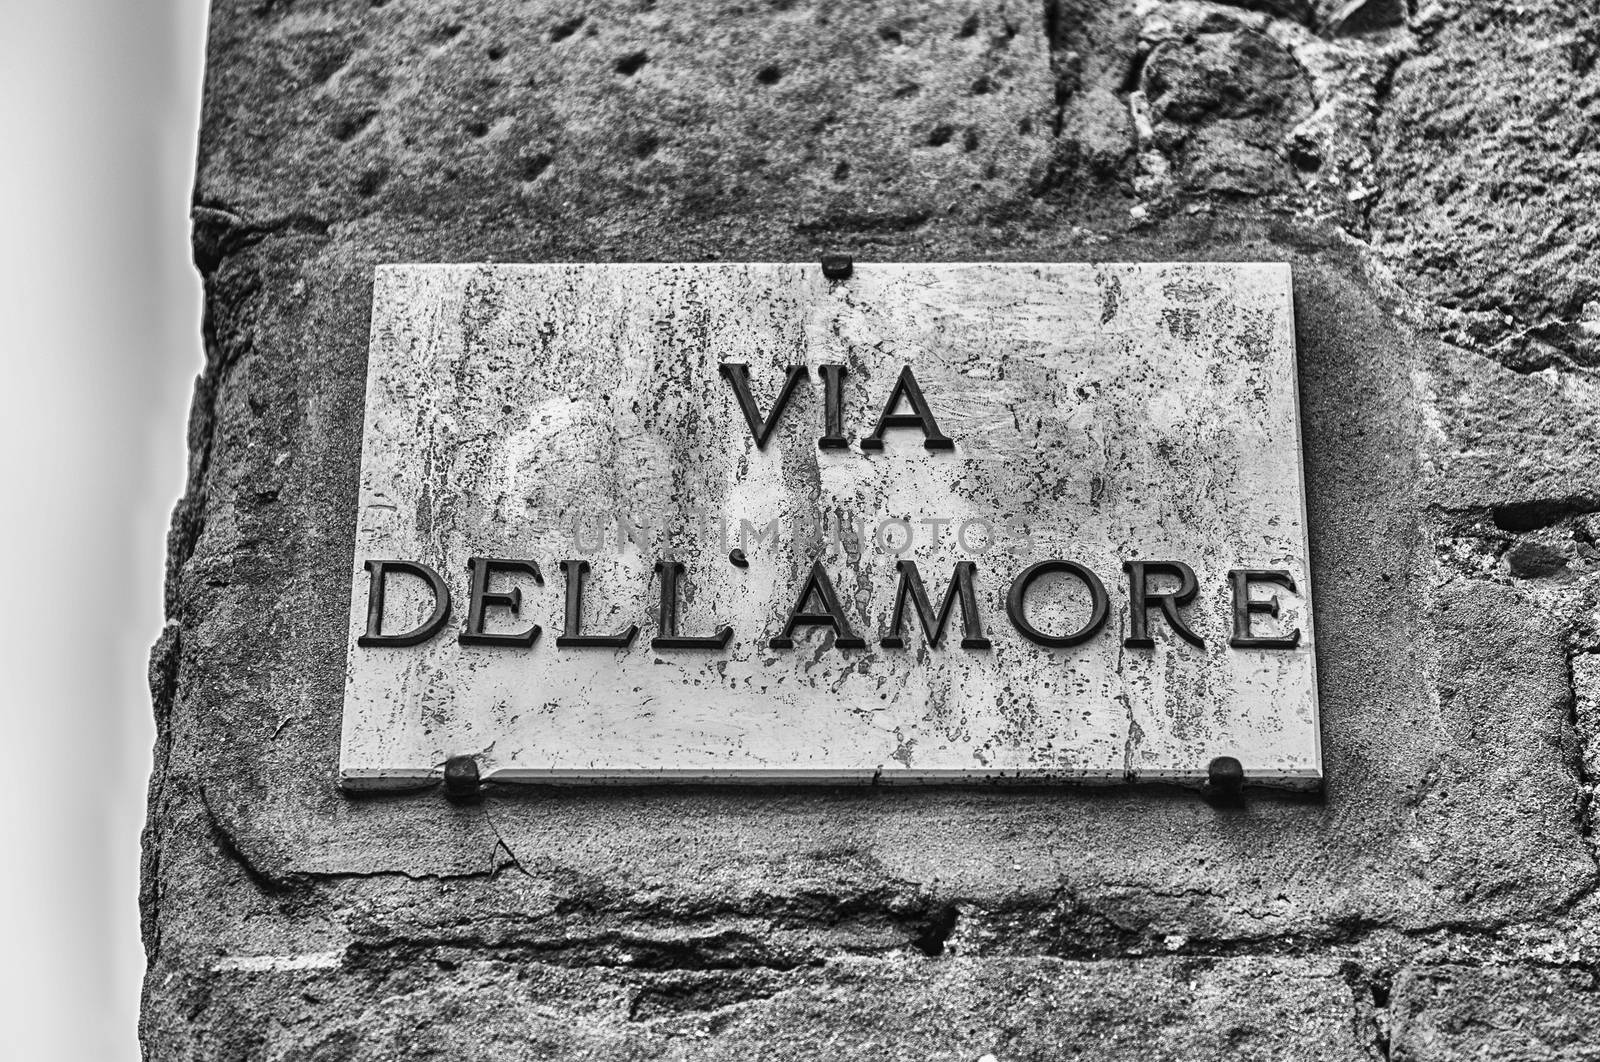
x=926, y=523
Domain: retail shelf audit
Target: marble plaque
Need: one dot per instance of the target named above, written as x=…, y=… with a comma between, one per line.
x=545, y=445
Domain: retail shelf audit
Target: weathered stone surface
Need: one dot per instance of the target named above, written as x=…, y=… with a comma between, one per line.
x=1445, y=1013
x=1523, y=445
x=1222, y=103
x=658, y=117
x=1490, y=168
x=1452, y=828
x=954, y=1009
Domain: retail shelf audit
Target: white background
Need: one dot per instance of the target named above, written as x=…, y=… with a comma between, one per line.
x=99, y=330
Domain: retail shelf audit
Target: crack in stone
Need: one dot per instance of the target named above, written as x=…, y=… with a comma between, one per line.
x=301, y=883
x=220, y=232
x=500, y=843
x=1055, y=40
x=1371, y=989
x=728, y=950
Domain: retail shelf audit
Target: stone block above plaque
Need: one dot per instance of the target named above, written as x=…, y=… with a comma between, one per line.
x=934, y=523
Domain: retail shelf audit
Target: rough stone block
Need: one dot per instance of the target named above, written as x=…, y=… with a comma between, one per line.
x=916, y=1010
x=1489, y=170
x=815, y=116
x=1222, y=104
x=1450, y=1013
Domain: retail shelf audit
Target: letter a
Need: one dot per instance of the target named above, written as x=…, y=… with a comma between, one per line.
x=819, y=585
x=921, y=416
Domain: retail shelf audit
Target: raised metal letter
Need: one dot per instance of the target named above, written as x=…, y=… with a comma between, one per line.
x=833, y=436
x=569, y=638
x=1243, y=606
x=380, y=570
x=479, y=598
x=831, y=615
x=960, y=587
x=1140, y=599
x=761, y=428
x=921, y=417
x=1099, y=604
x=669, y=572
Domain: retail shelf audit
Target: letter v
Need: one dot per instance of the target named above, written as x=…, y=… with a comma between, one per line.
x=761, y=428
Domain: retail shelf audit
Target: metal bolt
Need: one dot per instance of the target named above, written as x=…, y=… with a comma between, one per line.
x=837, y=266
x=1225, y=777
x=461, y=778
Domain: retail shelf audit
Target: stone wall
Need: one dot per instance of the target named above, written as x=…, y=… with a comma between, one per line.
x=1430, y=173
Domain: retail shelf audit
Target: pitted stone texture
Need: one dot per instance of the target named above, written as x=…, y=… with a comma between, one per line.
x=822, y=117
x=1489, y=172
x=1094, y=51
x=1457, y=1013
x=591, y=124
x=943, y=1010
